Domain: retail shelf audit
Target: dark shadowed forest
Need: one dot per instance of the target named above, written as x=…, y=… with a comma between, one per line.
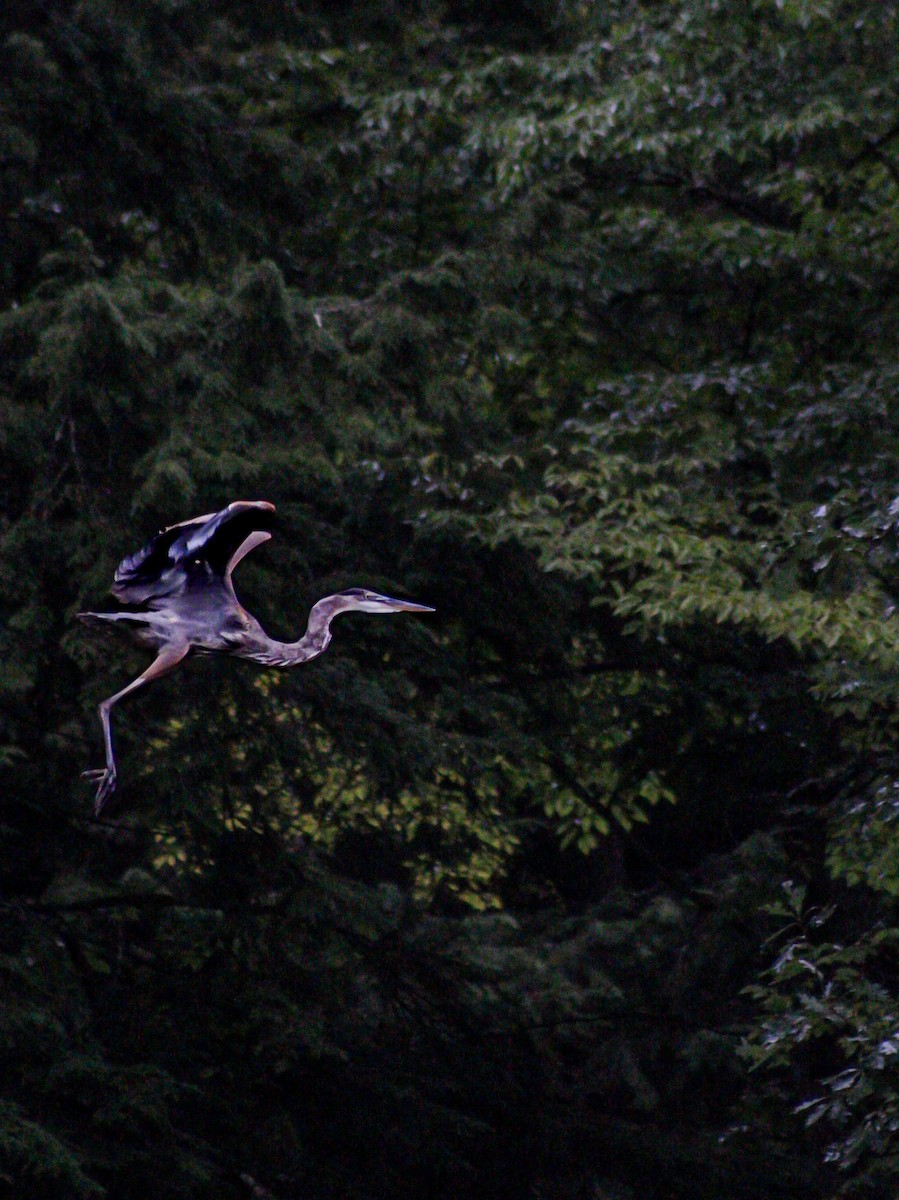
x=578, y=321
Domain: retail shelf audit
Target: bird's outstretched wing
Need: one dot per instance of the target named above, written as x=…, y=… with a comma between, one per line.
x=209, y=545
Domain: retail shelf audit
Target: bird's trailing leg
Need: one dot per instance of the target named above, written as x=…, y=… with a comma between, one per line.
x=105, y=777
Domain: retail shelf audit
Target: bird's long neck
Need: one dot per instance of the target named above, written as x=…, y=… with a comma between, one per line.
x=291, y=654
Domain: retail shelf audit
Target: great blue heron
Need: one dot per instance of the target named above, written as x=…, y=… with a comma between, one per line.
x=182, y=581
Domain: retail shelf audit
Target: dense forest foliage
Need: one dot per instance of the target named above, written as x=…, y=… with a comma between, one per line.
x=579, y=322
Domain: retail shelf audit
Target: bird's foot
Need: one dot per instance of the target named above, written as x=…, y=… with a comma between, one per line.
x=105, y=778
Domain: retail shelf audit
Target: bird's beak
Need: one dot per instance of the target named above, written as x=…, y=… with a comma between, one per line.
x=409, y=606
x=385, y=604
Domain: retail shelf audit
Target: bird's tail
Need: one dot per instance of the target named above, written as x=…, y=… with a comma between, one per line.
x=93, y=618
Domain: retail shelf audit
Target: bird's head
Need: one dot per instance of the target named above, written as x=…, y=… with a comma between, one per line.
x=363, y=600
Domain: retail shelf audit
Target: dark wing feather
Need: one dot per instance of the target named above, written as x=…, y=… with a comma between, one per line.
x=200, y=546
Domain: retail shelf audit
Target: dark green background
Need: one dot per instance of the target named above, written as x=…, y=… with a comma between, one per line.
x=578, y=322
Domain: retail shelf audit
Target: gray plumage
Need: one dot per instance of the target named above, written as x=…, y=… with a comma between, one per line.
x=184, y=603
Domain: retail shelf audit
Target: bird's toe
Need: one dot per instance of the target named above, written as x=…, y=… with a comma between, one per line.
x=106, y=783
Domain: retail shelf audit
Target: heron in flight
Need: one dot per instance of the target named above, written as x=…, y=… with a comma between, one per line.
x=180, y=587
